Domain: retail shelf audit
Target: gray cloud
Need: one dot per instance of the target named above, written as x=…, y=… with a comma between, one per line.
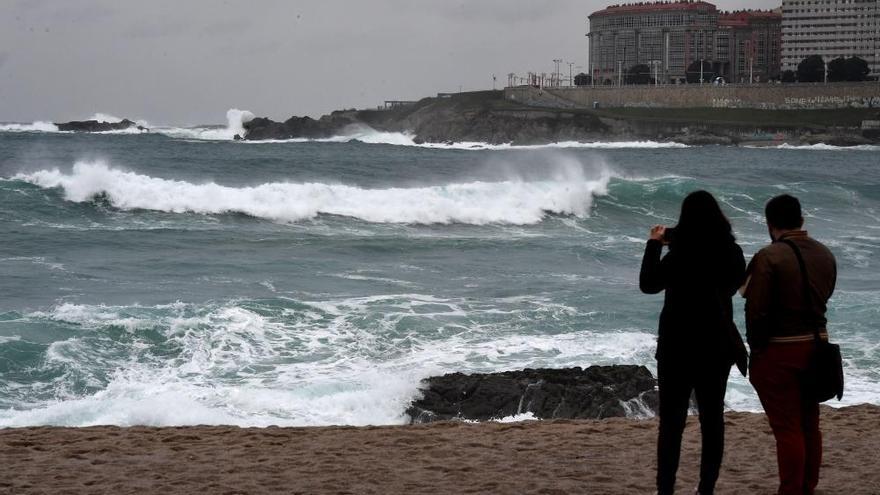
x=160, y=28
x=231, y=27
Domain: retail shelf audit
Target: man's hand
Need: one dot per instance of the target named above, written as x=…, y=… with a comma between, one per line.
x=657, y=233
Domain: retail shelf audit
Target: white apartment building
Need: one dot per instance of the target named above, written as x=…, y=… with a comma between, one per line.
x=830, y=29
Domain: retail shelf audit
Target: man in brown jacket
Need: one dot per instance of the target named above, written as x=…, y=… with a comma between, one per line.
x=781, y=322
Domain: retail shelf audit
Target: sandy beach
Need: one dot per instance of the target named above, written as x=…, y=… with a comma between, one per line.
x=613, y=456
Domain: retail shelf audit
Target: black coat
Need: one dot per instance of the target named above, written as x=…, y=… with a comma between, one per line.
x=696, y=323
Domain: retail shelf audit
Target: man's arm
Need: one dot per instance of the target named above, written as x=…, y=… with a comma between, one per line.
x=758, y=296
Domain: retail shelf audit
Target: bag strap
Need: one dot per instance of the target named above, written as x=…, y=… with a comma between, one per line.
x=808, y=292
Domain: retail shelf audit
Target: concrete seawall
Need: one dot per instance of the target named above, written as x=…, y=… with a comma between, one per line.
x=758, y=96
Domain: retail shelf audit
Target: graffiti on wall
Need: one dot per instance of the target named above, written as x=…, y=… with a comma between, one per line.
x=728, y=103
x=834, y=101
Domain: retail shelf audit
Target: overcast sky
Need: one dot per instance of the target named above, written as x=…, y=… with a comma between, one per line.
x=187, y=62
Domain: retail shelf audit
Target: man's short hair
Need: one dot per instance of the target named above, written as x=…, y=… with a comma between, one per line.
x=784, y=212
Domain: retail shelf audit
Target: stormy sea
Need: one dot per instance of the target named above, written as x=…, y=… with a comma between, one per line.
x=177, y=277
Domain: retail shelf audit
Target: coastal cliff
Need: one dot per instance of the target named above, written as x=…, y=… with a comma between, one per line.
x=487, y=117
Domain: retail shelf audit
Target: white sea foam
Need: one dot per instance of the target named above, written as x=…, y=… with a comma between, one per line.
x=315, y=363
x=105, y=117
x=828, y=147
x=235, y=120
x=312, y=365
x=38, y=126
x=568, y=191
x=367, y=135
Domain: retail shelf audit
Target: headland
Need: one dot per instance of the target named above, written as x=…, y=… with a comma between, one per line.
x=695, y=115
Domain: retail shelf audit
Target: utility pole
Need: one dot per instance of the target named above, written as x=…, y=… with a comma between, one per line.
x=557, y=61
x=570, y=77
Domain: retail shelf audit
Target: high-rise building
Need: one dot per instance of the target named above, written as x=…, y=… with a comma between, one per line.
x=830, y=29
x=670, y=36
x=665, y=36
x=747, y=45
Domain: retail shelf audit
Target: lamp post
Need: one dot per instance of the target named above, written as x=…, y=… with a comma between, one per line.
x=557, y=61
x=570, y=77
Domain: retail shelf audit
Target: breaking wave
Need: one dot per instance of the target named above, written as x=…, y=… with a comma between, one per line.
x=38, y=126
x=569, y=190
x=281, y=362
x=105, y=117
x=235, y=120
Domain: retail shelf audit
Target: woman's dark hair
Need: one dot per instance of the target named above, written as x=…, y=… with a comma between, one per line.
x=784, y=212
x=702, y=221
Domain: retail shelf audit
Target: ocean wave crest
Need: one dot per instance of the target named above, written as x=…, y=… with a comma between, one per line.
x=569, y=190
x=38, y=126
x=235, y=120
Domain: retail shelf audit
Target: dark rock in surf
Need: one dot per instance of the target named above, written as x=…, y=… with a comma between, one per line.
x=327, y=126
x=571, y=393
x=98, y=126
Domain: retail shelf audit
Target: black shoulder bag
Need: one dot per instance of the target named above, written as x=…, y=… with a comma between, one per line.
x=824, y=378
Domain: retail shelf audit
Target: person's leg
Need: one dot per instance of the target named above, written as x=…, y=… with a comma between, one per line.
x=812, y=445
x=775, y=376
x=675, y=393
x=710, y=388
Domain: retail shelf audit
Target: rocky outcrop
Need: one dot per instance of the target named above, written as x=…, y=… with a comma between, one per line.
x=486, y=117
x=97, y=126
x=331, y=125
x=573, y=393
x=476, y=117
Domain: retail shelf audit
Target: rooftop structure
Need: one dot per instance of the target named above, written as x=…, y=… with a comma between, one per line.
x=642, y=7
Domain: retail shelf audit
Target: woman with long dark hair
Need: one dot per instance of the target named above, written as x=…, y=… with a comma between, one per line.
x=697, y=341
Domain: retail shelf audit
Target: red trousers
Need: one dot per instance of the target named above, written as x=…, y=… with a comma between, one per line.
x=776, y=374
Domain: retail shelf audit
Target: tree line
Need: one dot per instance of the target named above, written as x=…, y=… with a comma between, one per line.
x=811, y=69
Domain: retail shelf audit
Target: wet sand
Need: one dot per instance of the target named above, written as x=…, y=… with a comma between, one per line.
x=551, y=457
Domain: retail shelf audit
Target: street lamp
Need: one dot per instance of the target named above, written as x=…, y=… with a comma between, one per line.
x=557, y=61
